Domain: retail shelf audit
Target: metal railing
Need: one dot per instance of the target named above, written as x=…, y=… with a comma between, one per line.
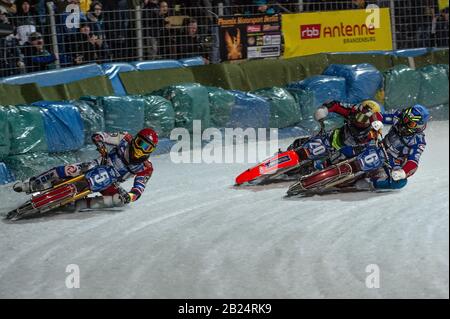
x=61, y=36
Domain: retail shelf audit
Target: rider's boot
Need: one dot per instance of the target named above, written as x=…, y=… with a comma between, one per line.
x=364, y=184
x=22, y=186
x=38, y=183
x=31, y=185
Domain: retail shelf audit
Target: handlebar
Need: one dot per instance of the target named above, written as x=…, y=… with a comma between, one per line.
x=380, y=144
x=322, y=127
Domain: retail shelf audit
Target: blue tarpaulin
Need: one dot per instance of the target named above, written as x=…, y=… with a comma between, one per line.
x=192, y=61
x=5, y=174
x=63, y=125
x=324, y=88
x=112, y=71
x=249, y=111
x=363, y=81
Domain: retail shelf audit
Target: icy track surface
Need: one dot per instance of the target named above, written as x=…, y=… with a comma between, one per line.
x=193, y=235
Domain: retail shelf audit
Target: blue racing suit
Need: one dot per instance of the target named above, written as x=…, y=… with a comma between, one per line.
x=404, y=153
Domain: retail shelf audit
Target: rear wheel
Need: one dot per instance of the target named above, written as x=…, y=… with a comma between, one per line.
x=322, y=180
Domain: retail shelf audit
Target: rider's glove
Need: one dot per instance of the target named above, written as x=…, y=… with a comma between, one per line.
x=321, y=113
x=398, y=174
x=127, y=197
x=97, y=139
x=132, y=197
x=377, y=125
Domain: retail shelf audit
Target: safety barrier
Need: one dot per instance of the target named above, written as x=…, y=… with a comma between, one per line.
x=54, y=128
x=143, y=77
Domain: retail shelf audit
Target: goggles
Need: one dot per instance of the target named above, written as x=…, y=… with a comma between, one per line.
x=362, y=120
x=411, y=126
x=143, y=145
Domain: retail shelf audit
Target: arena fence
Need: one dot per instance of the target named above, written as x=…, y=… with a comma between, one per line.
x=66, y=36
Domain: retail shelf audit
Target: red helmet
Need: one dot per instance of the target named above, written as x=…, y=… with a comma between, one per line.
x=143, y=144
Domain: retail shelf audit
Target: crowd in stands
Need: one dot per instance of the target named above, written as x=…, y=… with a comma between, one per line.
x=106, y=29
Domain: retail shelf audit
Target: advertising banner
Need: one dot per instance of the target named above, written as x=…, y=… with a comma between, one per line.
x=337, y=31
x=250, y=37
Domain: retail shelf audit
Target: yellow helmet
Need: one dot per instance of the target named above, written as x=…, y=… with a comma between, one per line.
x=364, y=112
x=370, y=106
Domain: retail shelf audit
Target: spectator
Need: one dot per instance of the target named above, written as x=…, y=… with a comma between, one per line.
x=442, y=29
x=67, y=18
x=11, y=59
x=84, y=46
x=359, y=4
x=150, y=13
x=6, y=28
x=8, y=7
x=160, y=23
x=85, y=5
x=189, y=44
x=257, y=7
x=424, y=12
x=201, y=10
x=118, y=18
x=61, y=5
x=262, y=7
x=95, y=17
x=37, y=58
x=25, y=20
x=41, y=9
x=152, y=5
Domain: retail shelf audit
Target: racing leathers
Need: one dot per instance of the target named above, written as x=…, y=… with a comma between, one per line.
x=117, y=157
x=341, y=143
x=404, y=154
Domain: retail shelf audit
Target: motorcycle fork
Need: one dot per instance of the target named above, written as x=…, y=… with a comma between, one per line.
x=78, y=196
x=70, y=181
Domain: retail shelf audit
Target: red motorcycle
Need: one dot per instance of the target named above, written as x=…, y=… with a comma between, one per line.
x=283, y=164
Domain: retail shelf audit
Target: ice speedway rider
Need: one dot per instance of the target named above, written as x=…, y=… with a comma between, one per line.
x=404, y=144
x=129, y=157
x=362, y=120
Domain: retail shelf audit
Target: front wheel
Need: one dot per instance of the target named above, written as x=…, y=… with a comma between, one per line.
x=324, y=179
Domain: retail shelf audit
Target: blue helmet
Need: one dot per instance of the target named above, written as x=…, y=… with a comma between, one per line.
x=413, y=120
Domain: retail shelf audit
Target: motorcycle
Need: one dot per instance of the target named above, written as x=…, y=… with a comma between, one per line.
x=286, y=164
x=69, y=191
x=343, y=174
